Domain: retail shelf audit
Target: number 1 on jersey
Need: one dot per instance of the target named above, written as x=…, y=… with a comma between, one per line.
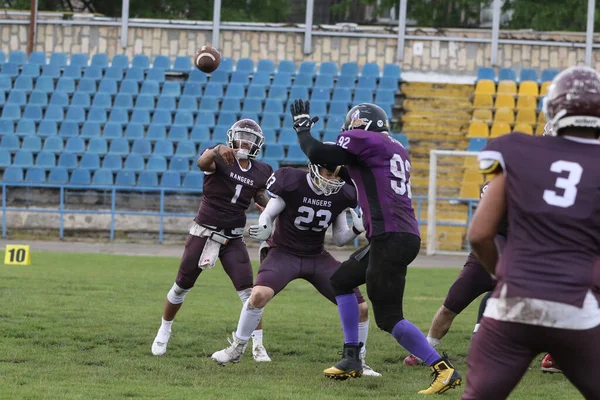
x=238, y=190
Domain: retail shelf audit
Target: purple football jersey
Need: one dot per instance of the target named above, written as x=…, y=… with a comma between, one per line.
x=301, y=226
x=382, y=179
x=553, y=207
x=228, y=192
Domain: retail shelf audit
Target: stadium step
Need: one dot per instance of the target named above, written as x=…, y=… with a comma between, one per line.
x=462, y=115
x=424, y=89
x=426, y=103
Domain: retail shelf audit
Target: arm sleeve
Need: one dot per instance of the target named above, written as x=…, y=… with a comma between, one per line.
x=342, y=234
x=272, y=210
x=320, y=153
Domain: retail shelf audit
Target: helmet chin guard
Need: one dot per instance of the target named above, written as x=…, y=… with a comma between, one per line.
x=325, y=185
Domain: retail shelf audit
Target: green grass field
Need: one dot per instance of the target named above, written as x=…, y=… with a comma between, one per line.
x=76, y=326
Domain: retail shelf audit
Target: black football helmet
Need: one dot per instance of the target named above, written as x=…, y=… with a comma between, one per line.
x=325, y=185
x=368, y=117
x=246, y=135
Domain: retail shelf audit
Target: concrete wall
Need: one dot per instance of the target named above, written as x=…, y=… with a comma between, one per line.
x=441, y=56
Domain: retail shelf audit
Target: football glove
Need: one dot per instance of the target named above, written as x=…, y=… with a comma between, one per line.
x=260, y=232
x=301, y=115
x=357, y=222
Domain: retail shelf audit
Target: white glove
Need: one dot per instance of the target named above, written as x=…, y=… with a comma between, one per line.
x=260, y=232
x=357, y=221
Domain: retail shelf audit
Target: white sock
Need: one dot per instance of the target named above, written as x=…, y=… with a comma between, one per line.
x=363, y=334
x=249, y=319
x=476, y=328
x=257, y=336
x=166, y=325
x=433, y=342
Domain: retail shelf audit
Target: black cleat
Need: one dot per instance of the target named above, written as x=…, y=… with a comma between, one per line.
x=350, y=366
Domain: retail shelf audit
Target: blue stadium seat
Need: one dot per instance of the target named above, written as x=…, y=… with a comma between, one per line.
x=93, y=73
x=507, y=74
x=44, y=84
x=271, y=121
x=275, y=106
x=240, y=78
x=295, y=155
x=206, y=145
x=114, y=74
x=53, y=144
x=134, y=131
x=140, y=117
x=2, y=98
x=226, y=119
x=370, y=69
x=17, y=57
x=388, y=83
x=320, y=95
x=233, y=105
x=200, y=134
x=486, y=73
x=98, y=145
x=172, y=89
x=25, y=127
x=163, y=148
x=90, y=130
x=142, y=147
x=11, y=112
x=134, y=75
x=119, y=146
x=220, y=77
x=299, y=93
x=226, y=65
x=317, y=107
x=324, y=82
x=548, y=75
x=245, y=65
x=7, y=127
x=79, y=59
x=188, y=103
x=32, y=143
x=13, y=175
x=35, y=175
x=162, y=117
x=163, y=62
x=10, y=70
x=5, y=84
x=36, y=98
x=391, y=71
x=108, y=86
x=120, y=61
x=282, y=79
x=134, y=163
x=177, y=133
x=385, y=97
x=335, y=122
x=250, y=106
x=81, y=177
x=80, y=99
x=303, y=81
x=47, y=128
x=2, y=57
x=72, y=72
x=206, y=118
x=166, y=103
x=210, y=104
x=402, y=138
x=184, y=118
x=235, y=91
x=144, y=102
x=97, y=115
x=45, y=159
x=112, y=130
x=113, y=162
x=17, y=98
x=87, y=85
x=367, y=82
x=102, y=177
x=155, y=75
x=171, y=179
x=213, y=90
x=58, y=176
x=33, y=113
x=37, y=58
x=182, y=64
x=23, y=83
x=318, y=127
x=278, y=92
x=267, y=66
x=330, y=136
x=90, y=160
x=156, y=132
x=150, y=88
x=5, y=158
x=99, y=60
x=287, y=137
x=157, y=164
x=23, y=158
x=30, y=71
x=197, y=76
x=67, y=160
x=328, y=68
x=140, y=61
x=66, y=85
x=477, y=144
x=363, y=96
x=75, y=114
x=104, y=101
x=51, y=71
x=274, y=152
x=249, y=115
x=261, y=78
x=193, y=180
x=179, y=164
x=118, y=116
x=148, y=179
x=342, y=95
x=528, y=74
x=75, y=145
x=69, y=129
x=308, y=67
x=58, y=99
x=186, y=149
x=287, y=66
x=257, y=92
x=269, y=135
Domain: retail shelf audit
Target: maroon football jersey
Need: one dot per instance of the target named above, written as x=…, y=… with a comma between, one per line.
x=228, y=192
x=553, y=207
x=302, y=224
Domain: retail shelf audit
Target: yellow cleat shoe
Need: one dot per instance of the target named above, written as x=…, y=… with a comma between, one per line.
x=350, y=366
x=341, y=375
x=445, y=377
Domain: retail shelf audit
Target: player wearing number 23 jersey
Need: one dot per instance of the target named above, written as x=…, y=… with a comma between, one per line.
x=379, y=167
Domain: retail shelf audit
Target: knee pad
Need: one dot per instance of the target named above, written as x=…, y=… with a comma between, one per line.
x=339, y=280
x=244, y=294
x=177, y=294
x=387, y=322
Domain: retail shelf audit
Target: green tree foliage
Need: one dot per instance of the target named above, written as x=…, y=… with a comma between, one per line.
x=551, y=15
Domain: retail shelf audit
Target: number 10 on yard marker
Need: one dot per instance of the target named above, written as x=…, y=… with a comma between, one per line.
x=17, y=254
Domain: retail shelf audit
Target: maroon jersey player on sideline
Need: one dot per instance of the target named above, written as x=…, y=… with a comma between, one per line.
x=548, y=291
x=233, y=179
x=304, y=205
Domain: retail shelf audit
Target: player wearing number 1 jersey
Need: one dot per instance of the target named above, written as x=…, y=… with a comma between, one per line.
x=379, y=166
x=548, y=291
x=233, y=179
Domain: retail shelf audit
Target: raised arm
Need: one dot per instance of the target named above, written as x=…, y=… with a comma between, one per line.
x=207, y=163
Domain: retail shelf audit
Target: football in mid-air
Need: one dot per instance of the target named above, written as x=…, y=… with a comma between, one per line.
x=207, y=59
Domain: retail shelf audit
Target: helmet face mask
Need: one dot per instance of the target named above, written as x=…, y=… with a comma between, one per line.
x=327, y=185
x=368, y=117
x=246, y=136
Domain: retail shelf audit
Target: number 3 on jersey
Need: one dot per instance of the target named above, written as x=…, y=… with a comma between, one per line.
x=399, y=168
x=568, y=184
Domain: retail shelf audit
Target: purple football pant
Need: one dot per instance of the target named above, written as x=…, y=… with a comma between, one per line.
x=501, y=353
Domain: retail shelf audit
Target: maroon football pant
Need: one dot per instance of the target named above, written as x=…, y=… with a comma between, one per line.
x=233, y=256
x=472, y=281
x=501, y=353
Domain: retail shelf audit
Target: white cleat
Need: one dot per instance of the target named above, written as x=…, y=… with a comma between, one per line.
x=260, y=353
x=368, y=371
x=159, y=347
x=231, y=354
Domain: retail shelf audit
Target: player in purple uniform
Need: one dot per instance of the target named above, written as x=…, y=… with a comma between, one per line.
x=233, y=179
x=379, y=166
x=548, y=291
x=472, y=282
x=303, y=206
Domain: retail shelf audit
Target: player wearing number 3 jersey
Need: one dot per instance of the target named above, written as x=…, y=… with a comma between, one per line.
x=379, y=167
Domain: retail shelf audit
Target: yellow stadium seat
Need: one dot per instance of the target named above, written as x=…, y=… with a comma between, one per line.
x=544, y=89
x=469, y=191
x=478, y=129
x=499, y=129
x=485, y=86
x=505, y=101
x=471, y=163
x=504, y=115
x=523, y=128
x=526, y=103
x=483, y=100
x=482, y=115
x=507, y=87
x=527, y=116
x=472, y=176
x=539, y=129
x=529, y=88
x=541, y=118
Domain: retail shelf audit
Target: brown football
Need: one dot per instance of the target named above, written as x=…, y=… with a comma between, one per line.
x=207, y=59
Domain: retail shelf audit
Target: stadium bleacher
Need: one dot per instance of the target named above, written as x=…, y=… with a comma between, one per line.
x=143, y=122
